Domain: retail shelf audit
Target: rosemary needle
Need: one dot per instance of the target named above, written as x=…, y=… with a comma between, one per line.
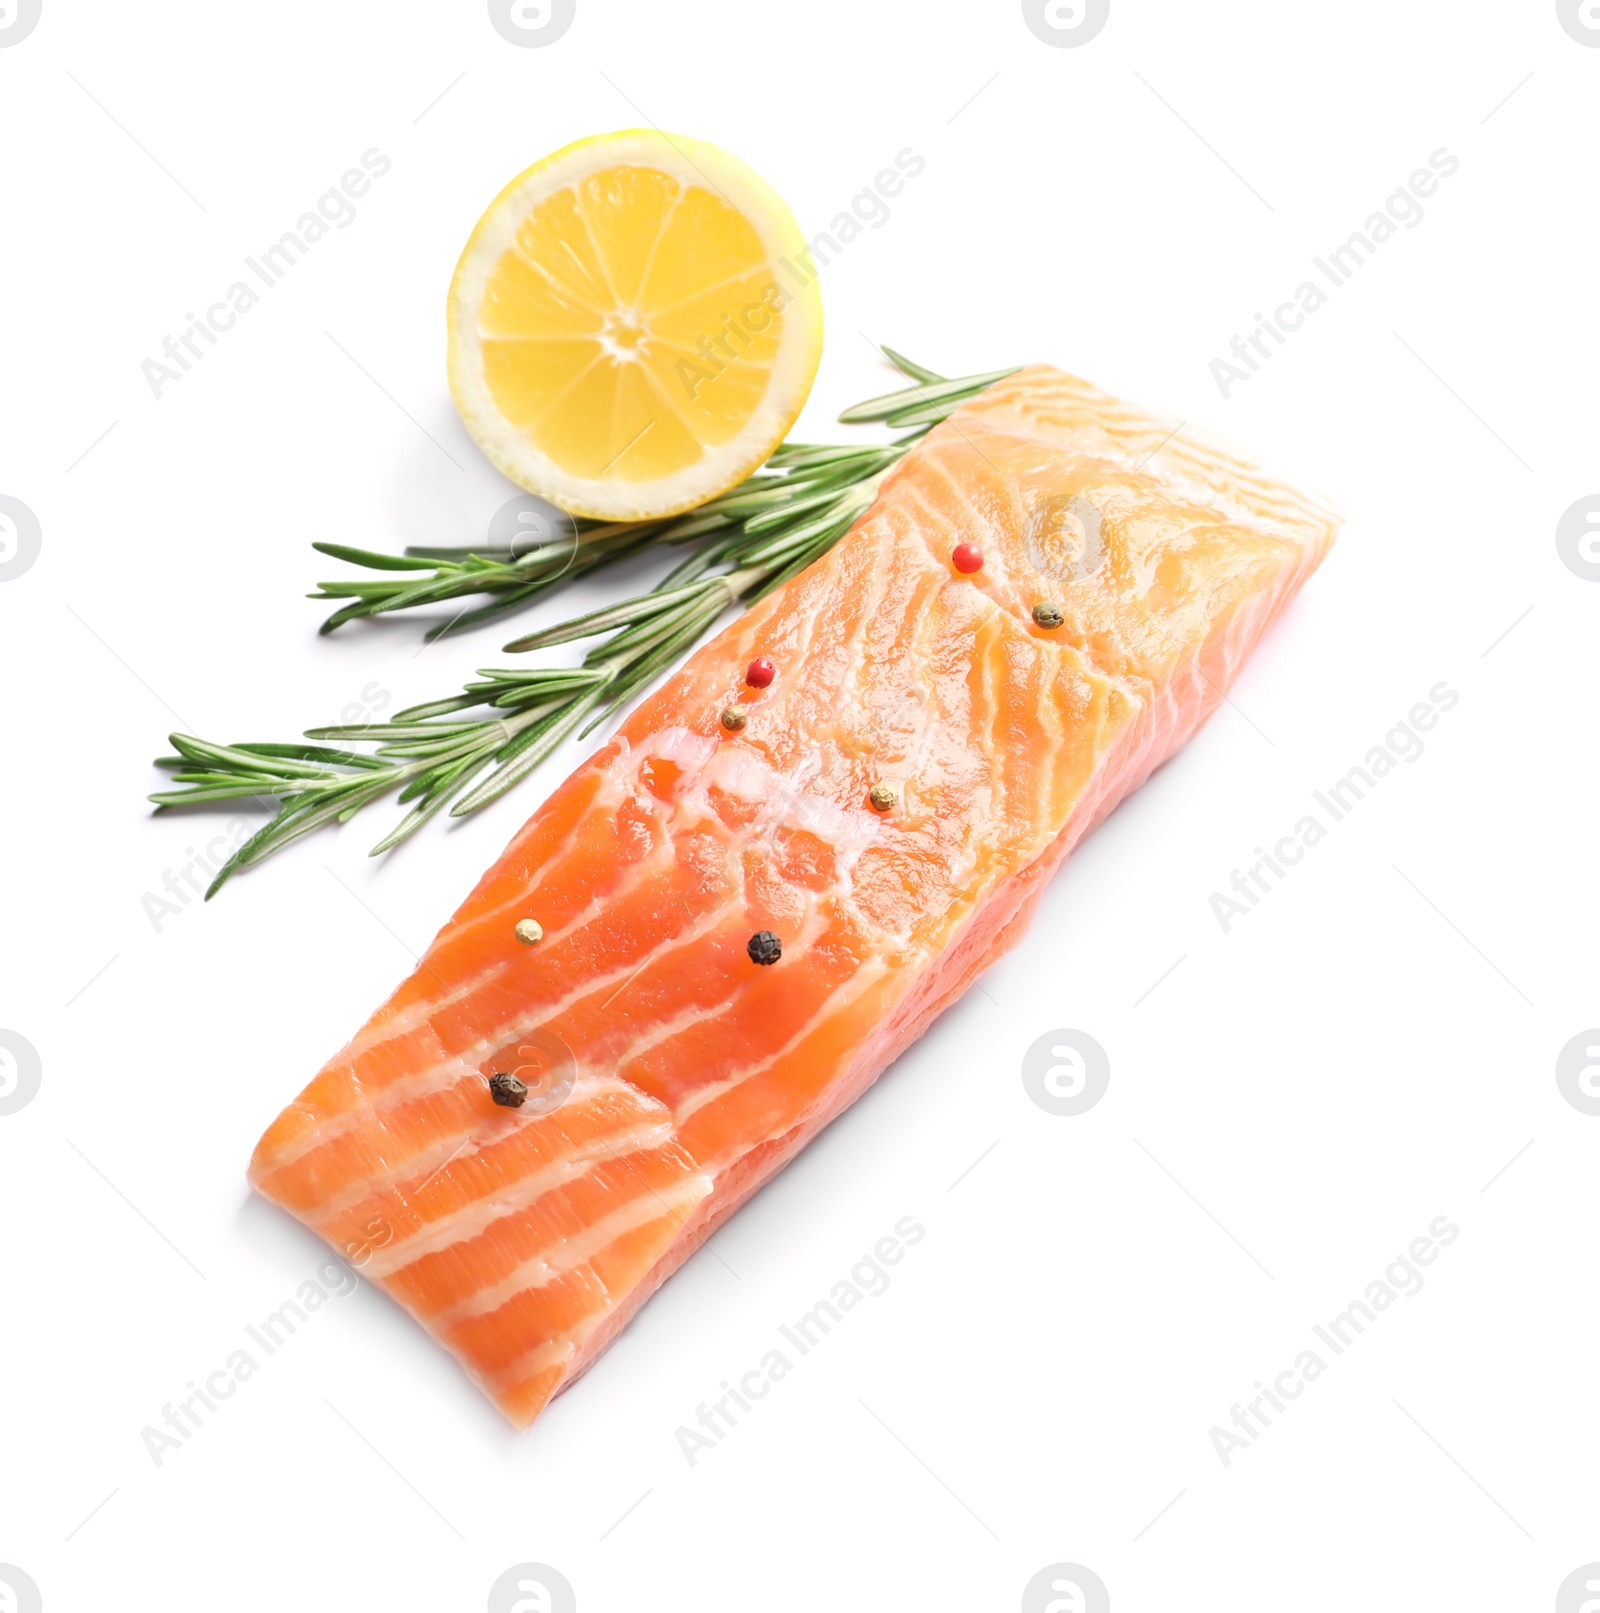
x=469, y=748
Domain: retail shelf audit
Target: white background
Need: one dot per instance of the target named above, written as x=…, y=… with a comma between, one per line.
x=1366, y=1051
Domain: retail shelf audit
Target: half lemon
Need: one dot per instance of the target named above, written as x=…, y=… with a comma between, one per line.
x=633, y=325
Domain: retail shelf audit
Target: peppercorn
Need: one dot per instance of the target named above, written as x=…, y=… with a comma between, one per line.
x=884, y=797
x=734, y=718
x=967, y=557
x=760, y=672
x=764, y=947
x=529, y=931
x=507, y=1091
x=1048, y=615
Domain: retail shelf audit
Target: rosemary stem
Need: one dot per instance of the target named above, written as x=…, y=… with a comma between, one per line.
x=746, y=542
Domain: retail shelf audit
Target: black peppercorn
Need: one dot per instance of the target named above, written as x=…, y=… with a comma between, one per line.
x=764, y=947
x=507, y=1091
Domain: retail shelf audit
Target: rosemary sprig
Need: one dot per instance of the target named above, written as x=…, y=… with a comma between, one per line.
x=517, y=577
x=798, y=477
x=750, y=540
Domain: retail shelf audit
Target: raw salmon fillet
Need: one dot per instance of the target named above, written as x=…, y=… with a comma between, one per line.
x=524, y=1241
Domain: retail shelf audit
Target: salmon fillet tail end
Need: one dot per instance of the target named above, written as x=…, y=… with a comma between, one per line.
x=1127, y=572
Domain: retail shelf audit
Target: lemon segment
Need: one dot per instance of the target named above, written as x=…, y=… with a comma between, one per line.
x=630, y=327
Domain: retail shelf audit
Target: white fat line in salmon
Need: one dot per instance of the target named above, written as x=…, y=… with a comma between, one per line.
x=617, y=786
x=839, y=999
x=403, y=1021
x=1209, y=464
x=417, y=1014
x=180, y=1422
x=413, y=1174
x=386, y=1257
x=867, y=1280
x=562, y=1348
x=1400, y=1280
x=435, y=1077
x=1402, y=743
x=780, y=805
x=447, y=1069
x=1402, y=207
x=581, y=1247
x=455, y=929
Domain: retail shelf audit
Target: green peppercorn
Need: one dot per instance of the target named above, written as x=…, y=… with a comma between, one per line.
x=1048, y=615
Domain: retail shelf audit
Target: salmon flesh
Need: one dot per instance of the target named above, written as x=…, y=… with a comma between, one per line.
x=670, y=1074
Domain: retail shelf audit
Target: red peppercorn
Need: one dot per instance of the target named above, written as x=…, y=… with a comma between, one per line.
x=760, y=672
x=967, y=557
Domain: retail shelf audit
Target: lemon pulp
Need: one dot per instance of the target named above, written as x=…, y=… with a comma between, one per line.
x=630, y=332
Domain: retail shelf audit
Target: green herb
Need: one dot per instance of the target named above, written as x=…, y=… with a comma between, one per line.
x=753, y=538
x=796, y=480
